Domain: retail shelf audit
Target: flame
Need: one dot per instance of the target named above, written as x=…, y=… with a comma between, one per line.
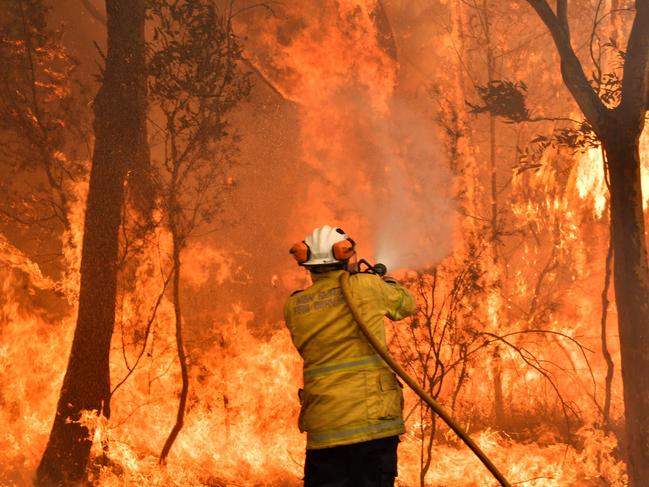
x=33, y=357
x=589, y=180
x=644, y=167
x=376, y=166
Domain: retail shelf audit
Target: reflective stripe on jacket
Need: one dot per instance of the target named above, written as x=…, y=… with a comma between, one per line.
x=350, y=395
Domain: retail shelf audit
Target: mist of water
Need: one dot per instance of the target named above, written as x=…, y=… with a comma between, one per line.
x=413, y=224
x=395, y=196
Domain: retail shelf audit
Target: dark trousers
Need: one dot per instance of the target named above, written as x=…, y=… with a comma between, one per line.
x=368, y=464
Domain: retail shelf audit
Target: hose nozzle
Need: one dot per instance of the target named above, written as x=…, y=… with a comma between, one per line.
x=378, y=268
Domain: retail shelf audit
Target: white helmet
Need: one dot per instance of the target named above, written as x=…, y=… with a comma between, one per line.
x=325, y=245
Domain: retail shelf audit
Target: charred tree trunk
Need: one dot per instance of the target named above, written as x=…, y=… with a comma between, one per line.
x=631, y=281
x=180, y=346
x=120, y=143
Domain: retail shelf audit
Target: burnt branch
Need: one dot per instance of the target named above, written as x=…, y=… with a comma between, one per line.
x=610, y=365
x=593, y=35
x=265, y=78
x=571, y=68
x=147, y=331
x=532, y=361
x=635, y=81
x=562, y=16
x=94, y=12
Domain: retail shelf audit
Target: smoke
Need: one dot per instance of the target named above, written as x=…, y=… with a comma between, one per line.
x=413, y=222
x=378, y=170
x=334, y=134
x=371, y=163
x=395, y=189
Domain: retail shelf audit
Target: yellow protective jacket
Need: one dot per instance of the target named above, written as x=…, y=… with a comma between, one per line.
x=350, y=395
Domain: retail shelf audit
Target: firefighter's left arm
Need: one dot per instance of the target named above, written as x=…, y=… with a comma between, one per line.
x=399, y=302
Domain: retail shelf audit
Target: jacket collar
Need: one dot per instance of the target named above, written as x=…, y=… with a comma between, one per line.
x=327, y=275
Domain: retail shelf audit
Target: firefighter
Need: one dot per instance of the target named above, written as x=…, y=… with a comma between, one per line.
x=351, y=402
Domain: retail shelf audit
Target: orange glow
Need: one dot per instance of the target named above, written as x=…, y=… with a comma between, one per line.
x=589, y=180
x=521, y=346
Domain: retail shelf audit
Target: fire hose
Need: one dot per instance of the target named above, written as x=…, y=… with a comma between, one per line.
x=435, y=407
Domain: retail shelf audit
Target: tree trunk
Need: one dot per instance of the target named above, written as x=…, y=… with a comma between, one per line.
x=180, y=346
x=499, y=403
x=631, y=279
x=120, y=143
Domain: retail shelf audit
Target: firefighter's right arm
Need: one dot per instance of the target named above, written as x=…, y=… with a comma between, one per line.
x=399, y=302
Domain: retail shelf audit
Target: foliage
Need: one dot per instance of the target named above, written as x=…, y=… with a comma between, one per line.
x=610, y=89
x=194, y=84
x=441, y=333
x=608, y=85
x=42, y=122
x=579, y=139
x=502, y=98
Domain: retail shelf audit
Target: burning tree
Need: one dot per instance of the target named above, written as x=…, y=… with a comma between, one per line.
x=437, y=348
x=618, y=124
x=523, y=208
x=195, y=82
x=42, y=118
x=120, y=145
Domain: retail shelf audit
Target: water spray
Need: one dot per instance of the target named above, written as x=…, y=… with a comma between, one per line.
x=380, y=270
